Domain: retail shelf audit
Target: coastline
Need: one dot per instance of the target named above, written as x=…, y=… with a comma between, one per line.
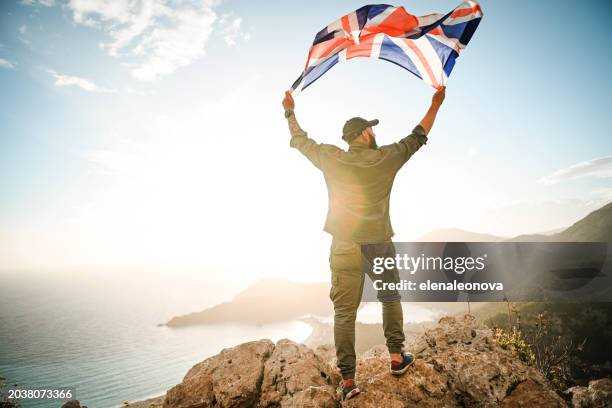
x=317, y=334
x=151, y=402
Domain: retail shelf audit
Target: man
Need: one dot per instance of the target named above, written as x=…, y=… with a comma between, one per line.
x=359, y=183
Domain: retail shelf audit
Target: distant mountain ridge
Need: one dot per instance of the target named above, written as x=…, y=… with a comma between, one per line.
x=267, y=300
x=458, y=235
x=595, y=227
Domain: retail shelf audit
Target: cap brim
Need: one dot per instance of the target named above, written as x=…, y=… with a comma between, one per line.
x=373, y=122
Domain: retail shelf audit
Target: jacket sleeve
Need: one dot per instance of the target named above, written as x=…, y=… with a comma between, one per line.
x=308, y=147
x=401, y=151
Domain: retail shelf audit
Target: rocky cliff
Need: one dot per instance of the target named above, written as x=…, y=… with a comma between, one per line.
x=459, y=364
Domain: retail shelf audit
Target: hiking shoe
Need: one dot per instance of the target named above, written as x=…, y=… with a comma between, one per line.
x=398, y=368
x=349, y=391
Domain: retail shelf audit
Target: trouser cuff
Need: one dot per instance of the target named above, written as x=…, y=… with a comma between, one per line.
x=395, y=349
x=348, y=375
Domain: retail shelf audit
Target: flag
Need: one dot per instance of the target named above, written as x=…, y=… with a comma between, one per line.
x=427, y=46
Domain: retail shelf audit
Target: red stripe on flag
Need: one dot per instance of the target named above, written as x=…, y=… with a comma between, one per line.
x=424, y=62
x=363, y=49
x=346, y=26
x=399, y=22
x=466, y=11
x=325, y=49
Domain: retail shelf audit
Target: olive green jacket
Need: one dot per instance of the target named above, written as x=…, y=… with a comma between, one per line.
x=359, y=182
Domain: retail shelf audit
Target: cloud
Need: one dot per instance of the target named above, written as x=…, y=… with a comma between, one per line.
x=6, y=64
x=161, y=35
x=83, y=83
x=601, y=167
x=23, y=29
x=46, y=3
x=230, y=29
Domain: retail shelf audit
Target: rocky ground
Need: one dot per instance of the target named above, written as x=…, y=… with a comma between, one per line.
x=458, y=364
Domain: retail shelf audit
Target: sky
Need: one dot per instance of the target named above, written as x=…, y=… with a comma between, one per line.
x=150, y=135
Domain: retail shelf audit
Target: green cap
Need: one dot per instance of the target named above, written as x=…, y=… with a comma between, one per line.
x=354, y=126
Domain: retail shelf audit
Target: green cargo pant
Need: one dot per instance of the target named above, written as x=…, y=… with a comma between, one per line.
x=347, y=282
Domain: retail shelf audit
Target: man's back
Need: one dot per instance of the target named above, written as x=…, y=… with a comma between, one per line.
x=359, y=183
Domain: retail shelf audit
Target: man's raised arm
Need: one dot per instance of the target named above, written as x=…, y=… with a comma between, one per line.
x=299, y=138
x=406, y=147
x=430, y=116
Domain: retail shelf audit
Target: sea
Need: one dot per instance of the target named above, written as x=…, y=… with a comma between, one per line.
x=102, y=335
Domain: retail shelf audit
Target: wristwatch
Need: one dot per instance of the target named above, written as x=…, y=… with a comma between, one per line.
x=288, y=113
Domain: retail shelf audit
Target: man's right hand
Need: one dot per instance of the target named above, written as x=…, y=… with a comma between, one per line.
x=439, y=96
x=288, y=102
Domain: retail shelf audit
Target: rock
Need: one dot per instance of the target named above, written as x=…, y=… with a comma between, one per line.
x=458, y=364
x=597, y=395
x=232, y=378
x=328, y=353
x=295, y=373
x=258, y=374
x=532, y=394
x=421, y=386
x=73, y=404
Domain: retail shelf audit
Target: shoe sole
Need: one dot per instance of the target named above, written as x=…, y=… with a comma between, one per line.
x=403, y=370
x=351, y=394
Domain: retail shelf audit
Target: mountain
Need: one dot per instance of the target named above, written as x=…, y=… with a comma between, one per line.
x=458, y=235
x=595, y=227
x=268, y=300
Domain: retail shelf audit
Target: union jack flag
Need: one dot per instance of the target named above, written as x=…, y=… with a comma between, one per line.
x=427, y=46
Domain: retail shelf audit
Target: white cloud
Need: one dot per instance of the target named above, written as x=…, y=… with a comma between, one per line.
x=162, y=35
x=46, y=3
x=83, y=83
x=601, y=167
x=6, y=64
x=230, y=29
x=23, y=29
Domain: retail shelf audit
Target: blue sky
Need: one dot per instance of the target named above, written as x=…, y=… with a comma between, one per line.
x=134, y=139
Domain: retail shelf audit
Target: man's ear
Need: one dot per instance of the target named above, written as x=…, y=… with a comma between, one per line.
x=365, y=137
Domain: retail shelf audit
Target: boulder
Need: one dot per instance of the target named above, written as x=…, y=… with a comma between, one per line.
x=597, y=395
x=459, y=364
x=295, y=374
x=232, y=378
x=73, y=404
